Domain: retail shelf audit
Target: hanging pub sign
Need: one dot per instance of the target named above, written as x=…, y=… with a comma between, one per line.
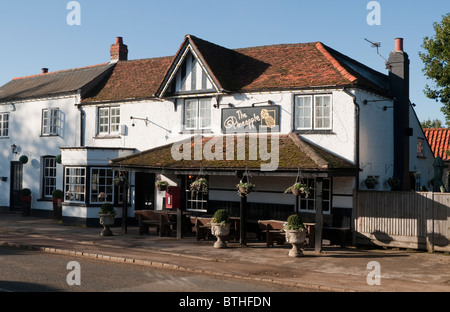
x=251, y=119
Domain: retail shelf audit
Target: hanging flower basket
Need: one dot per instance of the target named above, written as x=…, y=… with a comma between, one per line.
x=299, y=189
x=245, y=188
x=199, y=185
x=162, y=186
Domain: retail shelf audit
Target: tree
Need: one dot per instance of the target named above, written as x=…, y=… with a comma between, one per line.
x=437, y=65
x=431, y=124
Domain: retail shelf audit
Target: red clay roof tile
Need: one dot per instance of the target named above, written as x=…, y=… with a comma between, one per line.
x=439, y=140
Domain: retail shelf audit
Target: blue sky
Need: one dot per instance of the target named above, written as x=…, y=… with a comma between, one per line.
x=35, y=34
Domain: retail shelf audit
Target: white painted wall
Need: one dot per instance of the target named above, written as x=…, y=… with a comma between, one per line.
x=25, y=132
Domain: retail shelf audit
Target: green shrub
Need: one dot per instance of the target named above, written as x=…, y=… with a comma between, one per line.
x=107, y=209
x=221, y=216
x=294, y=222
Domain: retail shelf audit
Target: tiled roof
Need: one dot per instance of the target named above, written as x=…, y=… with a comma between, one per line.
x=265, y=68
x=137, y=79
x=439, y=140
x=53, y=83
x=294, y=153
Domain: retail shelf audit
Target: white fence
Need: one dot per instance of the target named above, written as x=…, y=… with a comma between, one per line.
x=403, y=219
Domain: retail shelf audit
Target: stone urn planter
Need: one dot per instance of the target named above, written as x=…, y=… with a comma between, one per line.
x=297, y=239
x=107, y=219
x=220, y=227
x=221, y=231
x=295, y=235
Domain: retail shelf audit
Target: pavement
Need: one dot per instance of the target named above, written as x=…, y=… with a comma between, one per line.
x=335, y=269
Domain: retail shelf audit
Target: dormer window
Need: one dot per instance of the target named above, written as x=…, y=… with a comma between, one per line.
x=197, y=114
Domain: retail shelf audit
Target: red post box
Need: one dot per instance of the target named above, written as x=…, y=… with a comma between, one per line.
x=173, y=198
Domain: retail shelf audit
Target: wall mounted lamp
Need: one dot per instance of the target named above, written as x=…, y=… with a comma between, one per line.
x=14, y=149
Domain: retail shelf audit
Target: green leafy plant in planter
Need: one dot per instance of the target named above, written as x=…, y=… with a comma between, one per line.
x=245, y=188
x=221, y=217
x=57, y=199
x=199, y=185
x=299, y=189
x=295, y=234
x=394, y=183
x=162, y=185
x=107, y=216
x=220, y=227
x=371, y=183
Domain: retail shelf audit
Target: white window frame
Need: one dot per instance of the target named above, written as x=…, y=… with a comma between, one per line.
x=51, y=122
x=4, y=125
x=196, y=116
x=48, y=176
x=109, y=124
x=75, y=184
x=310, y=202
x=315, y=112
x=101, y=182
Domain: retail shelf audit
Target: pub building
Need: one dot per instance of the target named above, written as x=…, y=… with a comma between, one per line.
x=272, y=115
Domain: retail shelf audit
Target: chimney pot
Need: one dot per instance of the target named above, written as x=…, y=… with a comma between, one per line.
x=44, y=70
x=119, y=51
x=398, y=45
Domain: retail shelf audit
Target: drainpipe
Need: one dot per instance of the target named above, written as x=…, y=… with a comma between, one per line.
x=357, y=132
x=82, y=114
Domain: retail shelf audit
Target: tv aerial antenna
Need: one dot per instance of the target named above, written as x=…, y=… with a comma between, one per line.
x=378, y=45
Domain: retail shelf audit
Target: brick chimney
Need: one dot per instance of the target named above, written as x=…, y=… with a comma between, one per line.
x=44, y=70
x=399, y=88
x=119, y=51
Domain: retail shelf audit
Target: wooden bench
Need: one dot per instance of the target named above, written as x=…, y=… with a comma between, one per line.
x=274, y=231
x=152, y=218
x=201, y=227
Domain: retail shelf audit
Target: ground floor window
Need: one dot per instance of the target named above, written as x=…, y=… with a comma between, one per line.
x=195, y=201
x=309, y=204
x=49, y=176
x=75, y=184
x=102, y=185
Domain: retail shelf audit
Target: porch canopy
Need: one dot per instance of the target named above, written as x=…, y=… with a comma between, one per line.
x=259, y=154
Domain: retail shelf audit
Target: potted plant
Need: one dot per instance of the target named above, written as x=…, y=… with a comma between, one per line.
x=371, y=183
x=107, y=216
x=199, y=185
x=245, y=188
x=57, y=199
x=295, y=234
x=26, y=201
x=220, y=227
x=394, y=183
x=298, y=189
x=161, y=185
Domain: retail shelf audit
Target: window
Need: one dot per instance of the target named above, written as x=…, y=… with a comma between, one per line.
x=197, y=114
x=309, y=204
x=108, y=120
x=4, y=125
x=49, y=176
x=102, y=185
x=313, y=112
x=51, y=124
x=75, y=184
x=195, y=201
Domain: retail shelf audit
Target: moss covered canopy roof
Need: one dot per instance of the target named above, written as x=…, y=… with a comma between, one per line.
x=225, y=153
